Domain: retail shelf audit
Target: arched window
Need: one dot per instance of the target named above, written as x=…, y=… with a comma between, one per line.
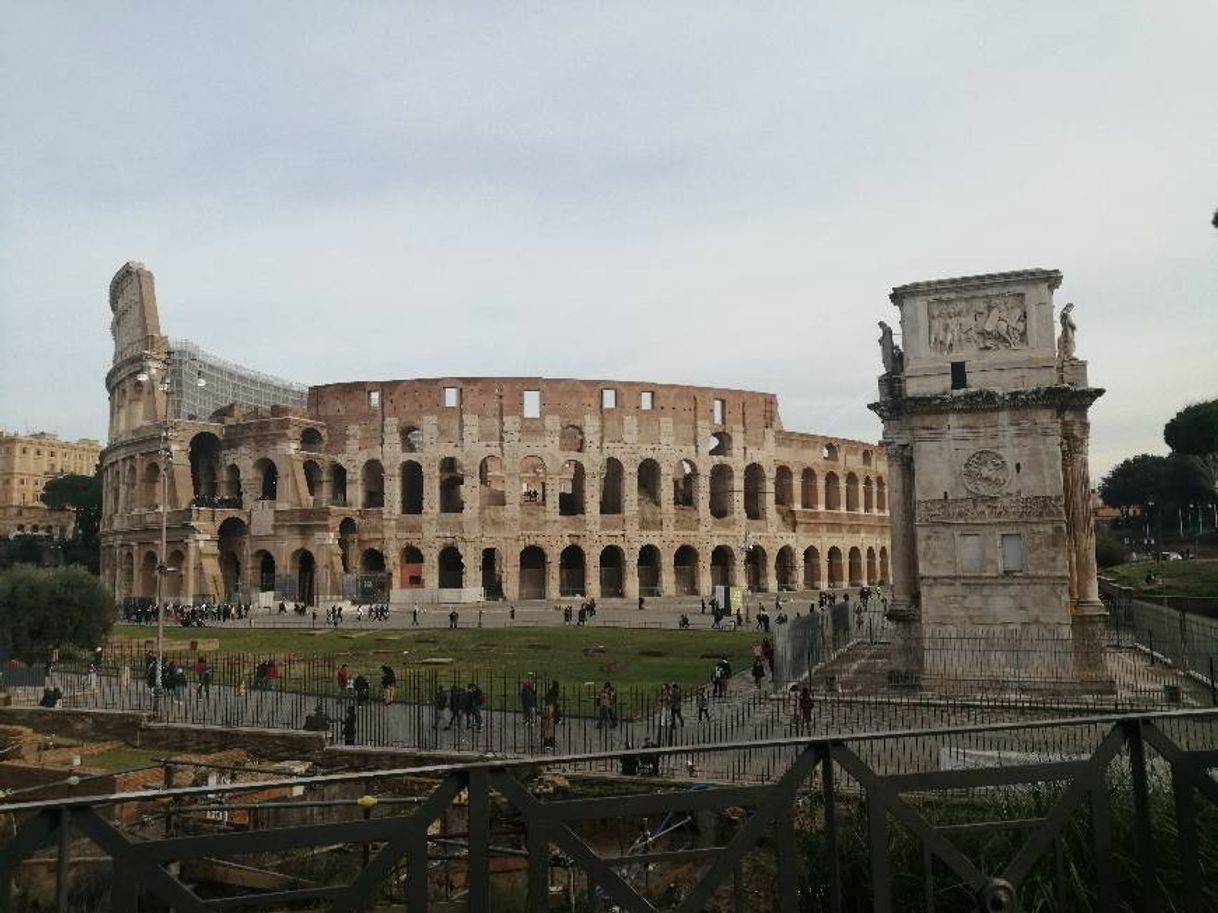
x=868, y=495
x=571, y=572
x=411, y=568
x=833, y=492
x=829, y=452
x=313, y=478
x=492, y=573
x=267, y=474
x=723, y=566
x=784, y=569
x=338, y=485
x=613, y=563
x=305, y=567
x=685, y=571
x=835, y=567
x=571, y=492
x=532, y=480
x=412, y=439
x=721, y=495
x=883, y=565
x=811, y=568
x=451, y=568
x=152, y=486
x=807, y=489
x=372, y=561
x=649, y=483
x=265, y=562
x=783, y=485
x=532, y=573
x=866, y=457
x=205, y=467
x=649, y=571
x=311, y=441
x=856, y=567
x=372, y=484
x=881, y=495
x=685, y=484
x=452, y=477
x=755, y=570
x=720, y=444
x=411, y=475
x=754, y=492
x=347, y=533
x=873, y=573
x=491, y=483
x=852, y=492
x=611, y=487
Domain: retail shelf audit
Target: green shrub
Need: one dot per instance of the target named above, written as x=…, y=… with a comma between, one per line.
x=1110, y=552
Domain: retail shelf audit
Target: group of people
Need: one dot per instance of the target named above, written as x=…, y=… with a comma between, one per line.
x=145, y=612
x=587, y=611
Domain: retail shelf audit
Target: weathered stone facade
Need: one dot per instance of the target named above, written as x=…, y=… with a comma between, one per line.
x=985, y=420
x=27, y=463
x=452, y=487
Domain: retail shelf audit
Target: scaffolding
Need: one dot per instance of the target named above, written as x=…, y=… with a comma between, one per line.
x=226, y=383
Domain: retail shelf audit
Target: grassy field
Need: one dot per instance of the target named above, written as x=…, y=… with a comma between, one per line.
x=628, y=656
x=1198, y=577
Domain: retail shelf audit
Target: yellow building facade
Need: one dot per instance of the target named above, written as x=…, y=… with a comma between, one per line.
x=27, y=463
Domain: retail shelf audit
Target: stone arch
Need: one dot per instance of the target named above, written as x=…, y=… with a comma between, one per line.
x=855, y=568
x=304, y=567
x=881, y=494
x=833, y=492
x=649, y=571
x=492, y=491
x=811, y=568
x=411, y=475
x=873, y=573
x=205, y=466
x=571, y=572
x=372, y=484
x=613, y=572
x=571, y=439
x=148, y=574
x=649, y=483
x=452, y=477
x=311, y=441
x=411, y=439
x=868, y=495
x=685, y=571
x=492, y=573
x=784, y=485
x=231, y=537
x=883, y=565
x=533, y=572
x=131, y=492
x=410, y=573
x=807, y=489
x=852, y=493
x=685, y=484
x=372, y=561
x=835, y=566
x=338, y=484
x=532, y=480
x=175, y=576
x=785, y=569
x=266, y=473
x=150, y=485
x=264, y=561
x=571, y=489
x=313, y=478
x=450, y=567
x=754, y=492
x=723, y=566
x=866, y=457
x=721, y=482
x=720, y=444
x=611, y=487
x=756, y=569
x=829, y=452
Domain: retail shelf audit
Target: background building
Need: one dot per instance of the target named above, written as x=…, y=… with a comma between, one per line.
x=27, y=462
x=456, y=488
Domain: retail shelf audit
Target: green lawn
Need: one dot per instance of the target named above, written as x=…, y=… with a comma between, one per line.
x=125, y=757
x=1198, y=577
x=627, y=656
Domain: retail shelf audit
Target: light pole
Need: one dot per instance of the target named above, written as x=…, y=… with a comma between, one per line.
x=166, y=458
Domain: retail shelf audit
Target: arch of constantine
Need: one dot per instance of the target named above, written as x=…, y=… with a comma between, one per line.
x=464, y=488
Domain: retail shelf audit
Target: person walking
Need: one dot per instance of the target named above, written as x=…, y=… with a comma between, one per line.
x=528, y=700
x=474, y=699
x=675, y=697
x=703, y=706
x=805, y=706
x=389, y=684
x=349, y=726
x=439, y=703
x=549, y=726
x=456, y=704
x=607, y=707
x=343, y=678
x=758, y=672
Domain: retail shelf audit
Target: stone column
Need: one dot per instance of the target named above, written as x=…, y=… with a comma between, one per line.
x=553, y=566
x=630, y=573
x=592, y=572
x=192, y=560
x=903, y=562
x=1080, y=528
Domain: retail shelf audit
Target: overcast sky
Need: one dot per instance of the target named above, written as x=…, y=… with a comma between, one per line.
x=694, y=193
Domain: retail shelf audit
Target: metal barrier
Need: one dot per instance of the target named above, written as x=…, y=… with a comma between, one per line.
x=1087, y=812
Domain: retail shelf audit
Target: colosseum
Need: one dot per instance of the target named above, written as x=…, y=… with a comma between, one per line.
x=460, y=489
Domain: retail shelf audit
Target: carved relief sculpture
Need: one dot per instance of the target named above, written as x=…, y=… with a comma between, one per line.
x=978, y=324
x=986, y=473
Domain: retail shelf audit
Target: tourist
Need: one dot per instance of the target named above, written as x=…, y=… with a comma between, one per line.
x=456, y=706
x=439, y=703
x=675, y=698
x=363, y=690
x=512, y=612
x=683, y=622
x=642, y=603
x=318, y=720
x=552, y=700
x=703, y=703
x=343, y=677
x=349, y=726
x=203, y=677
x=474, y=699
x=805, y=705
x=528, y=700
x=389, y=684
x=758, y=671
x=414, y=616
x=549, y=724
x=607, y=707
x=453, y=617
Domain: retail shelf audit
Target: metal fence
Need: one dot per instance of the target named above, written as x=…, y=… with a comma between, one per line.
x=1098, y=813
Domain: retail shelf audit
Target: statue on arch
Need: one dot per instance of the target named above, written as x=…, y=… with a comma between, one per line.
x=1065, y=341
x=890, y=352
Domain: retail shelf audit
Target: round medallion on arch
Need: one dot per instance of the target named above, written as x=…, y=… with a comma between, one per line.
x=986, y=473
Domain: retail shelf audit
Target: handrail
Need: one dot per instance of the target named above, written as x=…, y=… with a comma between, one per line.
x=440, y=770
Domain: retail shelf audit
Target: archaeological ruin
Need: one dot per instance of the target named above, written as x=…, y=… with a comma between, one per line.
x=459, y=489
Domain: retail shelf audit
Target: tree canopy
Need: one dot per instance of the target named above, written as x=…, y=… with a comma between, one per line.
x=1194, y=431
x=83, y=496
x=1149, y=479
x=44, y=608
